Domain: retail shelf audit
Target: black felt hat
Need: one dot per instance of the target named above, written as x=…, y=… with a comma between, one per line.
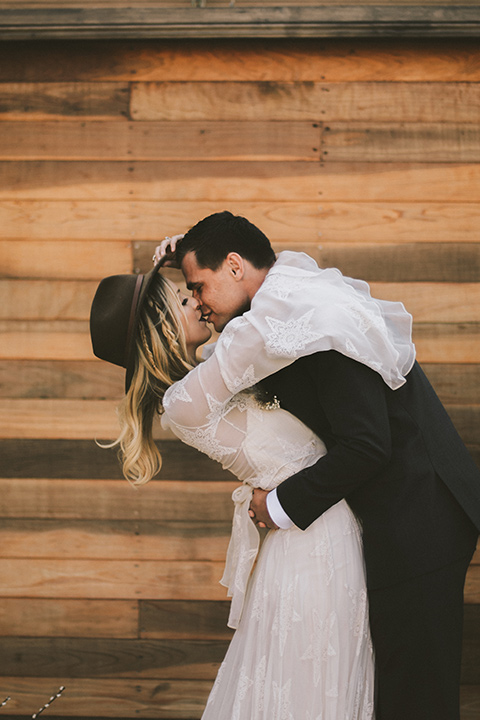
x=114, y=318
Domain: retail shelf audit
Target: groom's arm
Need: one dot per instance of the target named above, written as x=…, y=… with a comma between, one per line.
x=353, y=400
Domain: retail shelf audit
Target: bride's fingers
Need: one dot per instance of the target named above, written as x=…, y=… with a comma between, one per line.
x=166, y=248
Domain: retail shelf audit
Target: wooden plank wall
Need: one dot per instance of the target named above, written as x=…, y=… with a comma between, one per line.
x=364, y=153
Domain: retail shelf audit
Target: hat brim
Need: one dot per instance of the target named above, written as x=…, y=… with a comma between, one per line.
x=130, y=350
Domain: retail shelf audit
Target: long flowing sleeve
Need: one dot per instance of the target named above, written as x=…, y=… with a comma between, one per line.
x=301, y=309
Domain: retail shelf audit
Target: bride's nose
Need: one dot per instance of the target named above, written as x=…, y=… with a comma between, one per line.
x=194, y=303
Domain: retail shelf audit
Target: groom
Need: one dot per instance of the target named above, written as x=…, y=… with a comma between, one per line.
x=392, y=454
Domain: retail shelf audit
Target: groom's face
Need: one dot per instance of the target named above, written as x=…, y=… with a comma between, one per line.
x=221, y=293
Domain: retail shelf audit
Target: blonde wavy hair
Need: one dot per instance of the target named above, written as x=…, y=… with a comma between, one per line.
x=161, y=358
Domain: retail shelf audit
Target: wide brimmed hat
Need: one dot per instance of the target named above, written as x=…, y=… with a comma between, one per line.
x=114, y=318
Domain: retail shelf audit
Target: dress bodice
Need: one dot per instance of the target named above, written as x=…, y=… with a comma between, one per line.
x=261, y=445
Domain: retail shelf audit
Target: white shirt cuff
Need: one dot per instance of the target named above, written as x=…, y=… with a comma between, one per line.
x=276, y=511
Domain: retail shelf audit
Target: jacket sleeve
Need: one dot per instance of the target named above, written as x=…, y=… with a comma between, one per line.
x=352, y=398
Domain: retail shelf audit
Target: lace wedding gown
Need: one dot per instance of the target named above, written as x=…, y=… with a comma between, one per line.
x=302, y=648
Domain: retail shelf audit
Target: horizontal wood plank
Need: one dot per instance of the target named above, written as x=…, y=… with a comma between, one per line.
x=293, y=222
x=455, y=384
x=440, y=302
x=331, y=60
x=83, y=459
x=106, y=697
x=399, y=142
x=61, y=379
x=117, y=540
x=71, y=299
x=51, y=418
x=97, y=140
x=117, y=579
x=68, y=618
x=376, y=102
x=72, y=260
x=64, y=101
x=160, y=501
x=144, y=698
x=178, y=659
x=435, y=342
x=51, y=345
x=395, y=262
x=96, y=419
x=53, y=300
x=151, y=21
x=405, y=262
x=200, y=619
x=230, y=181
x=447, y=342
x=110, y=657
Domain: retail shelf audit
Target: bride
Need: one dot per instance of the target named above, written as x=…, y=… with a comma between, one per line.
x=302, y=649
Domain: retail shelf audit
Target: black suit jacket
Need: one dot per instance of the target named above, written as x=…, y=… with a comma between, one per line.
x=393, y=455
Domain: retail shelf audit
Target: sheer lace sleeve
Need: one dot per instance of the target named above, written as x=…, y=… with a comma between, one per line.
x=200, y=411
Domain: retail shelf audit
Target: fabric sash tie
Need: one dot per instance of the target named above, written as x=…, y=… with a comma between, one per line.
x=241, y=553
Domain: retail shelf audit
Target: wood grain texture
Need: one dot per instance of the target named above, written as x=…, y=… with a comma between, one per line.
x=172, y=501
x=286, y=222
x=285, y=101
x=64, y=101
x=121, y=21
x=230, y=181
x=68, y=618
x=83, y=459
x=398, y=142
x=96, y=419
x=455, y=384
x=115, y=658
x=70, y=260
x=308, y=59
x=200, y=619
x=60, y=379
x=405, y=262
x=118, y=540
x=115, y=580
x=447, y=342
x=170, y=700
x=53, y=344
x=71, y=300
x=384, y=262
x=114, y=698
x=96, y=140
x=438, y=302
x=436, y=343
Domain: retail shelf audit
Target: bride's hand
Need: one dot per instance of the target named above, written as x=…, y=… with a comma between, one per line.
x=165, y=252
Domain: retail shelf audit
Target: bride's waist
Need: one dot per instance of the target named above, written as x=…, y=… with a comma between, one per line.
x=268, y=476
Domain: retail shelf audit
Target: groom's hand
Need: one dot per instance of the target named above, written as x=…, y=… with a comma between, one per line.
x=258, y=510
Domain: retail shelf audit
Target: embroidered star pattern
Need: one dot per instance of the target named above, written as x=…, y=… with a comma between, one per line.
x=288, y=338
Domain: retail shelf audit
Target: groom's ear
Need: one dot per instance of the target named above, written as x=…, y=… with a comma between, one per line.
x=235, y=265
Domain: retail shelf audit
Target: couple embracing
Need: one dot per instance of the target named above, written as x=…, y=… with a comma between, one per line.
x=353, y=607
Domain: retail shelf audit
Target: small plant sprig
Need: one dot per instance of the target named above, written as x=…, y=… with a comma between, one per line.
x=47, y=704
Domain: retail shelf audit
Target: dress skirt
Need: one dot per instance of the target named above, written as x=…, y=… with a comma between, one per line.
x=302, y=650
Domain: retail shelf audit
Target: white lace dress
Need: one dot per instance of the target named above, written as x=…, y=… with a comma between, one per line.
x=302, y=649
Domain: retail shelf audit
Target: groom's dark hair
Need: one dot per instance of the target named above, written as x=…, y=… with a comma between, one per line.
x=217, y=235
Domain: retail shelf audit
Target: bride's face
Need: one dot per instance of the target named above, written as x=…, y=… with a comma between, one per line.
x=196, y=329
